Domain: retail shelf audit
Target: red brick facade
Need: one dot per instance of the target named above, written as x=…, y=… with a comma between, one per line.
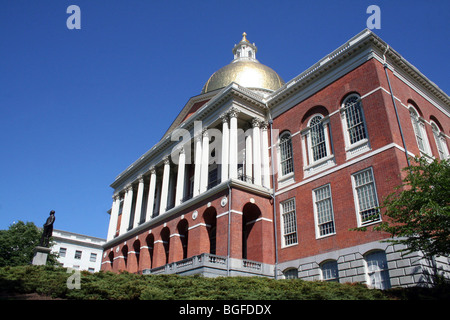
x=238, y=222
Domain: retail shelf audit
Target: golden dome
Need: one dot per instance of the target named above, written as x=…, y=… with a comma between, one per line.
x=245, y=70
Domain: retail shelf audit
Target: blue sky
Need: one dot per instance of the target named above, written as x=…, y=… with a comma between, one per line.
x=79, y=106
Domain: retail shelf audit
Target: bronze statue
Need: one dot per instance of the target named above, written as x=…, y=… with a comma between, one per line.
x=48, y=230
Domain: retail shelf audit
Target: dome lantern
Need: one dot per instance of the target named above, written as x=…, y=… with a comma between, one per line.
x=244, y=49
x=246, y=71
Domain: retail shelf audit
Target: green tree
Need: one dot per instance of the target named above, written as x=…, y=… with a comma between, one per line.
x=419, y=209
x=17, y=244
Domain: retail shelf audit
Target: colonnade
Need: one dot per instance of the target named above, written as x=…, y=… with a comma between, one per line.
x=128, y=208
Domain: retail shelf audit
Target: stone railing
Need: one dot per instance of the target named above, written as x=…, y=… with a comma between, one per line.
x=199, y=261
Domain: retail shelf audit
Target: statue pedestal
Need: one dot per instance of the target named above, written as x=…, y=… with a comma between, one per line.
x=40, y=255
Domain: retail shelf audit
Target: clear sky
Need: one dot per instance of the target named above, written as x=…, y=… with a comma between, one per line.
x=79, y=106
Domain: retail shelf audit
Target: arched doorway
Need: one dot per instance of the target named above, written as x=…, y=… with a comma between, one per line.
x=251, y=233
x=111, y=259
x=150, y=240
x=137, y=251
x=183, y=231
x=165, y=237
x=125, y=256
x=210, y=218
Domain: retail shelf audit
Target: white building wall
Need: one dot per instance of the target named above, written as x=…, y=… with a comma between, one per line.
x=73, y=242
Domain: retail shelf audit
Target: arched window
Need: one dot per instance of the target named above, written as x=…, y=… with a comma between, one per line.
x=329, y=270
x=316, y=144
x=377, y=271
x=354, y=119
x=354, y=124
x=291, y=273
x=441, y=144
x=419, y=131
x=286, y=158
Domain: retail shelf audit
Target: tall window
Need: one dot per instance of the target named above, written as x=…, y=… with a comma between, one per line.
x=353, y=122
x=377, y=270
x=286, y=159
x=289, y=222
x=366, y=197
x=318, y=145
x=441, y=144
x=323, y=209
x=419, y=131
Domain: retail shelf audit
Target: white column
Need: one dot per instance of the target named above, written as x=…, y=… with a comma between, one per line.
x=248, y=158
x=256, y=153
x=126, y=212
x=198, y=164
x=265, y=154
x=151, y=194
x=225, y=148
x=165, y=186
x=205, y=162
x=140, y=196
x=113, y=218
x=180, y=177
x=233, y=143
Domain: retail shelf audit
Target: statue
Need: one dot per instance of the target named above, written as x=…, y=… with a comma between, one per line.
x=48, y=230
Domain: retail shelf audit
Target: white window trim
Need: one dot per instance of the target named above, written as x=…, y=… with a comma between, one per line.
x=423, y=132
x=439, y=139
x=287, y=179
x=312, y=167
x=380, y=271
x=322, y=277
x=361, y=146
x=316, y=217
x=283, y=244
x=356, y=199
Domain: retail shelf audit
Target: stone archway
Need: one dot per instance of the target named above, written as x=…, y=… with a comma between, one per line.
x=183, y=231
x=210, y=218
x=252, y=247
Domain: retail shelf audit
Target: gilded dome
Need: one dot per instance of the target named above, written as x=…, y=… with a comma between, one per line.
x=245, y=70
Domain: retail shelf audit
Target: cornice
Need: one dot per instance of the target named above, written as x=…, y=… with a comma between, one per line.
x=363, y=41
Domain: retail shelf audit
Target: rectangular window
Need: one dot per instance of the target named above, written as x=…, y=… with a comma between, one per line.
x=287, y=165
x=77, y=255
x=367, y=201
x=324, y=211
x=289, y=222
x=93, y=257
x=62, y=252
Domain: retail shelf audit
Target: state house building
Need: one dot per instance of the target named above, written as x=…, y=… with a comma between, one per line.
x=258, y=176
